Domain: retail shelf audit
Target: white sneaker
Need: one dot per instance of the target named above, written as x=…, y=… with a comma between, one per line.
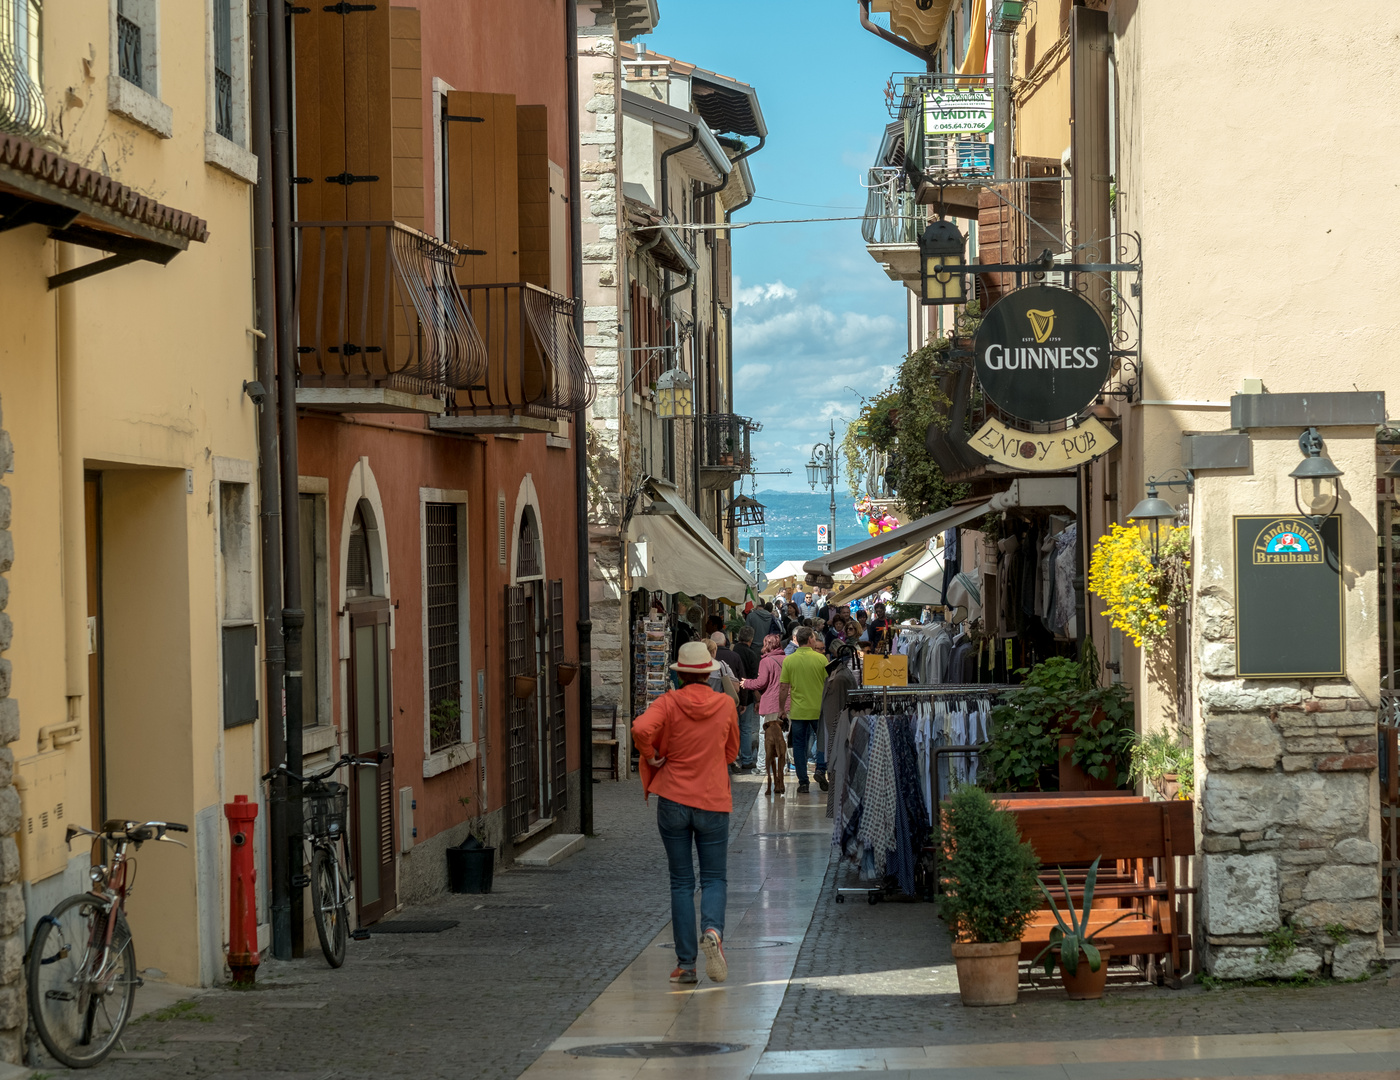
x=716, y=967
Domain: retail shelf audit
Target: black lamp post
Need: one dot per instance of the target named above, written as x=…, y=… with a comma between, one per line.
x=941, y=245
x=821, y=472
x=1152, y=511
x=1318, y=477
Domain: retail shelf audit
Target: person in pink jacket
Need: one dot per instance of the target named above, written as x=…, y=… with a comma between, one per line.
x=770, y=668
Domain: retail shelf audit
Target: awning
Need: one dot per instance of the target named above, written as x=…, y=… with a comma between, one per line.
x=915, y=534
x=669, y=549
x=887, y=573
x=923, y=582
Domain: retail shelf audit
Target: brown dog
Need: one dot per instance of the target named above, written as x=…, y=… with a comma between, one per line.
x=774, y=754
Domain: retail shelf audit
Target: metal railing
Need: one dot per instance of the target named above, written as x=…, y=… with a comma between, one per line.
x=891, y=214
x=1388, y=749
x=947, y=126
x=379, y=306
x=536, y=364
x=22, y=108
x=128, y=49
x=223, y=68
x=724, y=441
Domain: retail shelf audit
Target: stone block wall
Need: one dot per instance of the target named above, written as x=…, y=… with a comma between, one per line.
x=12, y=996
x=1286, y=817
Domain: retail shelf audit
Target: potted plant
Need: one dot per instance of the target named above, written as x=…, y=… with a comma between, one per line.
x=1160, y=760
x=726, y=456
x=471, y=864
x=564, y=671
x=1061, y=730
x=1073, y=945
x=988, y=894
x=523, y=685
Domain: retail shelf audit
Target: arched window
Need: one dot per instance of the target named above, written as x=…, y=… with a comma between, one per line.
x=527, y=558
x=358, y=576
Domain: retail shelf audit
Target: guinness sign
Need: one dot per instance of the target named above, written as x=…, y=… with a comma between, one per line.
x=1042, y=353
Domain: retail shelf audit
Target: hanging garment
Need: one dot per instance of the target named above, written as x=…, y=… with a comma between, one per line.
x=877, y=824
x=1064, y=616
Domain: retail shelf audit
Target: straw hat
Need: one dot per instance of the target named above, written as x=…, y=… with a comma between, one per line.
x=694, y=659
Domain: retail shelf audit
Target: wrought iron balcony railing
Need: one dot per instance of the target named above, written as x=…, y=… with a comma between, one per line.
x=947, y=126
x=22, y=108
x=724, y=442
x=891, y=214
x=129, y=62
x=380, y=308
x=535, y=365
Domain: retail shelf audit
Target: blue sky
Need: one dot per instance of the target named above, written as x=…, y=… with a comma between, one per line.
x=816, y=321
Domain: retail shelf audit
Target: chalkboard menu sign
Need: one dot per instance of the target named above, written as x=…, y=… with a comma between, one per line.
x=1289, y=603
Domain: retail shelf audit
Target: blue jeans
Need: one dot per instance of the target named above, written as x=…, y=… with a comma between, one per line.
x=802, y=732
x=709, y=830
x=748, y=737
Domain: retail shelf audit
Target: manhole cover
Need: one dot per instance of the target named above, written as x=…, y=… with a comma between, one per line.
x=657, y=1049
x=413, y=926
x=736, y=946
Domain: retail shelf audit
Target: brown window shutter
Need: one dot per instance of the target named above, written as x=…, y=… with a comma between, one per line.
x=318, y=45
x=724, y=286
x=517, y=663
x=406, y=106
x=557, y=709
x=532, y=171
x=483, y=188
x=369, y=150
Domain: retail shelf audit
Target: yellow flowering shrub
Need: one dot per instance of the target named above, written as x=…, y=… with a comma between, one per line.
x=1140, y=597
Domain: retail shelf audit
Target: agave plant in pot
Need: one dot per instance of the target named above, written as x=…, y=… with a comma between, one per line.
x=988, y=894
x=1075, y=945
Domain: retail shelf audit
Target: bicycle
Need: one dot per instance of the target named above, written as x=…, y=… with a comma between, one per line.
x=82, y=957
x=324, y=813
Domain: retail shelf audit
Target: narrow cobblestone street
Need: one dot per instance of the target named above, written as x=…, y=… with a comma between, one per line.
x=554, y=961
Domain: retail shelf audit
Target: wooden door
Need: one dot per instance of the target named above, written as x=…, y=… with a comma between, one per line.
x=371, y=732
x=92, y=519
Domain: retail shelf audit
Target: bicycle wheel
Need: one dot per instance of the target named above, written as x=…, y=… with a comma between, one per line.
x=79, y=1003
x=328, y=904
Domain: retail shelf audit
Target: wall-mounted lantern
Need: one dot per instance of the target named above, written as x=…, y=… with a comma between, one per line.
x=941, y=245
x=1317, y=485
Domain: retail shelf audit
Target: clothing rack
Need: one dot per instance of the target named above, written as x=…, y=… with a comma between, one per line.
x=882, y=695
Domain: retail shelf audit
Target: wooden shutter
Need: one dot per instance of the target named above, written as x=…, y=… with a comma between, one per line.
x=344, y=126
x=483, y=189
x=517, y=663
x=406, y=106
x=1090, y=44
x=532, y=171
x=557, y=711
x=724, y=283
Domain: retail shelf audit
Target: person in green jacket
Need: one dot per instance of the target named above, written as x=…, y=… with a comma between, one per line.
x=800, y=700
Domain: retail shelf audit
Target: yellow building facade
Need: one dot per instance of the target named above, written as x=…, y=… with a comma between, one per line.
x=135, y=508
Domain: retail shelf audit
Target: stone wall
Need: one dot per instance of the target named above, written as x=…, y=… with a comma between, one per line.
x=600, y=99
x=12, y=996
x=1286, y=817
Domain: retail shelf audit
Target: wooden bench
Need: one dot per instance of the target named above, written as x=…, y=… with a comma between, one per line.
x=605, y=735
x=1139, y=843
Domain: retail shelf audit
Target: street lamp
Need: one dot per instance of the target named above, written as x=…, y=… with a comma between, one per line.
x=821, y=472
x=675, y=395
x=1318, y=477
x=1152, y=511
x=941, y=245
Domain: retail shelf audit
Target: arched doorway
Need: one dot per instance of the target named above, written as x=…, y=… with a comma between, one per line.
x=369, y=715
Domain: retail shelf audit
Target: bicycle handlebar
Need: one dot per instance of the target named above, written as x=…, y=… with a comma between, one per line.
x=118, y=831
x=345, y=759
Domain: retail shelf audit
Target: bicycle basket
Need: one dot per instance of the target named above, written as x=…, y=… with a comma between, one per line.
x=324, y=809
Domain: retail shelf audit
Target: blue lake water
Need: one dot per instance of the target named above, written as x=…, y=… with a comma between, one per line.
x=790, y=524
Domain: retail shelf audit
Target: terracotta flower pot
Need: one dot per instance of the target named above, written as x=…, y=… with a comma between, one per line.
x=524, y=686
x=1168, y=786
x=988, y=972
x=1086, y=985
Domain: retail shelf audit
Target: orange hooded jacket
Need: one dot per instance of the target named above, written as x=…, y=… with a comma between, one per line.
x=697, y=731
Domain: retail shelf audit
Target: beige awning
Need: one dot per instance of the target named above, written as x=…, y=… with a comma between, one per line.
x=923, y=582
x=916, y=534
x=669, y=549
x=887, y=573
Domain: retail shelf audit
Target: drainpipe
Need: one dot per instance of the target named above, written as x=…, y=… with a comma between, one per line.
x=293, y=617
x=729, y=323
x=894, y=39
x=755, y=148
x=269, y=485
x=585, y=625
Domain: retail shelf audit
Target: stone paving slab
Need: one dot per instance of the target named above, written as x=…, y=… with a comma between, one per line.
x=479, y=1001
x=883, y=975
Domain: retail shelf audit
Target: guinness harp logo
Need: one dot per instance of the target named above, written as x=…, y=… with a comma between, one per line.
x=1042, y=322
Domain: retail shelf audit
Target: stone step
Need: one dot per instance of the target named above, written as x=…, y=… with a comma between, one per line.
x=551, y=850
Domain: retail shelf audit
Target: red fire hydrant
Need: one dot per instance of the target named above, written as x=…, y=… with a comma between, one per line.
x=242, y=891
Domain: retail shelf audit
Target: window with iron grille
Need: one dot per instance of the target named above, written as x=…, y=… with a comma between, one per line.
x=357, y=565
x=527, y=560
x=223, y=67
x=442, y=579
x=22, y=109
x=129, y=61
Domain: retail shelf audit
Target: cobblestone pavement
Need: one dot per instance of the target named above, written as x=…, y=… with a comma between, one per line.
x=478, y=1001
x=883, y=976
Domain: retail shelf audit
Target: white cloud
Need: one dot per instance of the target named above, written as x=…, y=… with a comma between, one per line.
x=758, y=294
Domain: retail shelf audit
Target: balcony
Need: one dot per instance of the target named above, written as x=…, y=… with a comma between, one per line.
x=947, y=137
x=724, y=449
x=22, y=109
x=893, y=222
x=382, y=327
x=535, y=374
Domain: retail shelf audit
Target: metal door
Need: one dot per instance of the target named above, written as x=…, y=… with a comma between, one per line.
x=371, y=732
x=517, y=713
